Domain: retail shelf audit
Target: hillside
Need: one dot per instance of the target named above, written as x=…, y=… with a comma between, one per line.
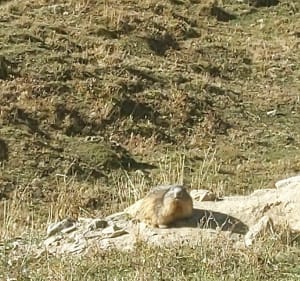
x=101, y=100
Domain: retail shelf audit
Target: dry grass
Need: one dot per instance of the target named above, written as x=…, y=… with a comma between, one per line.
x=267, y=260
x=271, y=258
x=100, y=101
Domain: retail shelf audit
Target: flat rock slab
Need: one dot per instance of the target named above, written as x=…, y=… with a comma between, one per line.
x=239, y=219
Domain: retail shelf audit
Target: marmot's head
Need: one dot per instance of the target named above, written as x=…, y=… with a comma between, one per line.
x=177, y=193
x=177, y=204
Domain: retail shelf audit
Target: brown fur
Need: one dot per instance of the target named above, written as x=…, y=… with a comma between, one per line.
x=161, y=207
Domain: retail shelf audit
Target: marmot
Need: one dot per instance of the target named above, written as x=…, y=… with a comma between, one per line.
x=164, y=205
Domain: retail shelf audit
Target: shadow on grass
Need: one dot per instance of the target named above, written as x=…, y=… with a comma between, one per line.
x=3, y=150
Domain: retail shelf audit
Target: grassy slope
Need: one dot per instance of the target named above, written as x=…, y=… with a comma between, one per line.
x=99, y=101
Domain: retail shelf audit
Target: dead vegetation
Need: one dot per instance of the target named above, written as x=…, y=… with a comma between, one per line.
x=106, y=96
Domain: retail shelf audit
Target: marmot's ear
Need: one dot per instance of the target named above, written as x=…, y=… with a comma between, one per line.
x=187, y=186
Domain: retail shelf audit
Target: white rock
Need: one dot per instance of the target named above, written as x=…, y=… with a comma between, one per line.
x=260, y=228
x=52, y=239
x=79, y=246
x=203, y=195
x=240, y=219
x=97, y=223
x=272, y=112
x=288, y=181
x=59, y=226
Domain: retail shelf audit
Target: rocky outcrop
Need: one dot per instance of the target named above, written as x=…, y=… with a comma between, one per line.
x=240, y=219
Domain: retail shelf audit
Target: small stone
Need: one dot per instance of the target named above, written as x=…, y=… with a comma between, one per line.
x=59, y=226
x=258, y=229
x=114, y=231
x=111, y=229
x=49, y=241
x=118, y=233
x=82, y=220
x=272, y=112
x=203, y=195
x=97, y=223
x=69, y=229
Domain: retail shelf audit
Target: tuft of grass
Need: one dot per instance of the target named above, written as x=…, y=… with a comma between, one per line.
x=206, y=261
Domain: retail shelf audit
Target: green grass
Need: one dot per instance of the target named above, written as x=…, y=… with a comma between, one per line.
x=211, y=261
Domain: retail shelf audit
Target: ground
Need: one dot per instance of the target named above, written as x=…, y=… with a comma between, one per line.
x=101, y=100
